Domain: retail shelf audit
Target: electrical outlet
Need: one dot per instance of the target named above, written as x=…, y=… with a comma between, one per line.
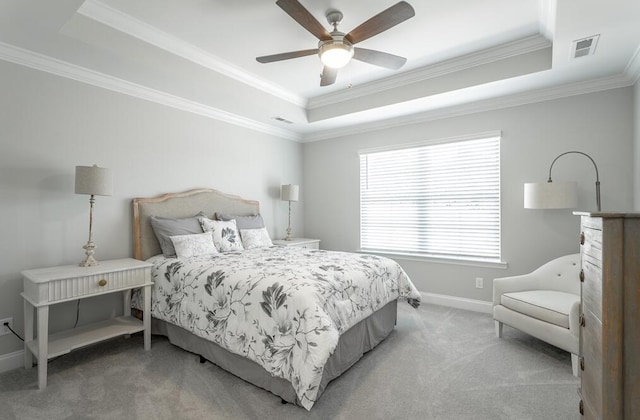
x=3, y=328
x=479, y=282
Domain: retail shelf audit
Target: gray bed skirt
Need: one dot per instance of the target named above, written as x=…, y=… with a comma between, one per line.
x=352, y=345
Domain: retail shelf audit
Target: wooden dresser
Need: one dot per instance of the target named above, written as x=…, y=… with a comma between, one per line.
x=610, y=316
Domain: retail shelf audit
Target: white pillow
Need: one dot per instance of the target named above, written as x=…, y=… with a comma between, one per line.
x=193, y=245
x=255, y=238
x=225, y=234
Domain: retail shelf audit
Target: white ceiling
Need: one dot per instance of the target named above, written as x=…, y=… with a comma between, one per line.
x=199, y=55
x=237, y=32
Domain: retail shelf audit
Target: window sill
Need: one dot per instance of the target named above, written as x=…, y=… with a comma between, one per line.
x=439, y=260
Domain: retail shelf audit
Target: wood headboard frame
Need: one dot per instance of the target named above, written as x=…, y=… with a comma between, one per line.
x=179, y=205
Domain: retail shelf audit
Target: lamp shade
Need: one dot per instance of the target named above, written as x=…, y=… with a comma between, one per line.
x=93, y=180
x=290, y=192
x=550, y=195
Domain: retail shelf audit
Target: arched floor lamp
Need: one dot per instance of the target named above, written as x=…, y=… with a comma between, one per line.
x=557, y=195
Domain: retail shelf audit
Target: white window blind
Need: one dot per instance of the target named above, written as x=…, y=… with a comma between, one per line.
x=439, y=200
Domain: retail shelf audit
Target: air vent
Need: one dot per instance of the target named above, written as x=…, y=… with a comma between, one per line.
x=283, y=120
x=584, y=47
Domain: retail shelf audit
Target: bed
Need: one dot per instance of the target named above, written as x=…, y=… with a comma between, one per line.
x=286, y=319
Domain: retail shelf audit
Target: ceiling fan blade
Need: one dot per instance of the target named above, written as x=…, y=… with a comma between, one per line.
x=384, y=20
x=286, y=56
x=304, y=18
x=328, y=76
x=379, y=58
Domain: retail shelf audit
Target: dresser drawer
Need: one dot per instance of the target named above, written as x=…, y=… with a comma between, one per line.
x=591, y=241
x=591, y=222
x=592, y=354
x=65, y=289
x=592, y=286
x=589, y=412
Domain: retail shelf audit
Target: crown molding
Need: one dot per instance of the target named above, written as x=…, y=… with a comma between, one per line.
x=122, y=22
x=530, y=97
x=67, y=70
x=489, y=55
x=547, y=10
x=632, y=70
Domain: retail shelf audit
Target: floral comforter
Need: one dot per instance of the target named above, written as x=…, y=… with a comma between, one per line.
x=282, y=307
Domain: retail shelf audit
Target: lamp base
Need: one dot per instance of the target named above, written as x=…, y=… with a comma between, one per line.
x=89, y=261
x=288, y=238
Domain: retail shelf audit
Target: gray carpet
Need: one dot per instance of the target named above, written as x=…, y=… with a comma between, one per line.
x=438, y=363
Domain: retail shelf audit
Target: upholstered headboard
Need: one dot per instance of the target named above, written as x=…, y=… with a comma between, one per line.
x=185, y=204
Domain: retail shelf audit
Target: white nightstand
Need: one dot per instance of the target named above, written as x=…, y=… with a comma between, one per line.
x=299, y=242
x=48, y=286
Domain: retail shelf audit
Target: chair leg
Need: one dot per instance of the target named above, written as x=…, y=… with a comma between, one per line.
x=498, y=326
x=575, y=368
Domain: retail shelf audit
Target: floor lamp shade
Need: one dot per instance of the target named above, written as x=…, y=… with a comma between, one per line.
x=558, y=195
x=290, y=192
x=93, y=180
x=550, y=195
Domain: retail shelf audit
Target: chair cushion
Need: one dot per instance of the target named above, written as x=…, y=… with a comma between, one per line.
x=546, y=305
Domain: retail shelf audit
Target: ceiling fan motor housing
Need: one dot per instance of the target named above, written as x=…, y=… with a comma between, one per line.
x=337, y=52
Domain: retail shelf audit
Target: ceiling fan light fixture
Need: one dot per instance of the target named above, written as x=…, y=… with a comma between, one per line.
x=335, y=53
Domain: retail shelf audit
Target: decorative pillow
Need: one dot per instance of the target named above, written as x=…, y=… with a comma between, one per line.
x=225, y=234
x=165, y=227
x=243, y=222
x=255, y=238
x=194, y=245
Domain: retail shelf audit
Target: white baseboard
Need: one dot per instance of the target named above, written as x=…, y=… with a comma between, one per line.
x=458, y=302
x=10, y=361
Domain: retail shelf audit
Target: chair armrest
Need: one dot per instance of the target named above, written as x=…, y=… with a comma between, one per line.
x=574, y=319
x=513, y=284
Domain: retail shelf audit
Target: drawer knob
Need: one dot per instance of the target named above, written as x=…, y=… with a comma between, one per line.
x=582, y=363
x=581, y=319
x=581, y=408
x=581, y=276
x=102, y=283
x=581, y=238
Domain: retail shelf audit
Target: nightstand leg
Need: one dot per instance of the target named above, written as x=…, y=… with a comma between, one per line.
x=28, y=334
x=126, y=305
x=127, y=302
x=146, y=317
x=43, y=345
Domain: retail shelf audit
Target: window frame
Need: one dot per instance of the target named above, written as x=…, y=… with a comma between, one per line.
x=462, y=260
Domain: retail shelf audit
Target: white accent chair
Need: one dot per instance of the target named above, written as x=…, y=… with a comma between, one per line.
x=544, y=303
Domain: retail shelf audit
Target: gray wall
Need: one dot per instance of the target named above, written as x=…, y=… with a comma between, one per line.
x=636, y=119
x=48, y=125
x=600, y=124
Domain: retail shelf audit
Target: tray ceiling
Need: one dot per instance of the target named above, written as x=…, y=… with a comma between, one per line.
x=199, y=55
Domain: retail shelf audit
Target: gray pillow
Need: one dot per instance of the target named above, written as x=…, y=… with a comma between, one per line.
x=164, y=227
x=243, y=222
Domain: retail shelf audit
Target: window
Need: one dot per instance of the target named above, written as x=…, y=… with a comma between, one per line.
x=437, y=200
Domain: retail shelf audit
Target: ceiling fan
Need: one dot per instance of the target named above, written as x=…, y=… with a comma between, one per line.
x=336, y=48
